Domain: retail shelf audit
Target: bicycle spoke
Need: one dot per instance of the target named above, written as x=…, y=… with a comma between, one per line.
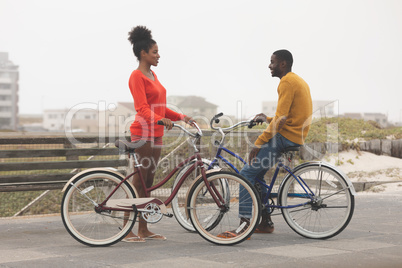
x=331, y=206
x=78, y=211
x=213, y=222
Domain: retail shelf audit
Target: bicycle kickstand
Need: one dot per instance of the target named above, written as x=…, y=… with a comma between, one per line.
x=135, y=212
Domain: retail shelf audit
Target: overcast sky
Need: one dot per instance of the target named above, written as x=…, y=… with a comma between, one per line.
x=73, y=52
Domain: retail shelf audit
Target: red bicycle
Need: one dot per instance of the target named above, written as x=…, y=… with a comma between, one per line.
x=100, y=206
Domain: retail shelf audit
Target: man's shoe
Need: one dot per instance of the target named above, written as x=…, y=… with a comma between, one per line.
x=266, y=226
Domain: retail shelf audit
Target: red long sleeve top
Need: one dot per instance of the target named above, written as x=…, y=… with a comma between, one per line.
x=150, y=104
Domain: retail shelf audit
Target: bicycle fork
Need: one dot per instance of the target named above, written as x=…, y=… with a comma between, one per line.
x=211, y=188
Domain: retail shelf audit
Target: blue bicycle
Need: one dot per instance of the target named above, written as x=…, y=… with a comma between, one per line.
x=315, y=198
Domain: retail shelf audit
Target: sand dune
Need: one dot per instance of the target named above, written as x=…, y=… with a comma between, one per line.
x=368, y=167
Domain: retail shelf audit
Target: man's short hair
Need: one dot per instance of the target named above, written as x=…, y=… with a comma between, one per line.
x=285, y=55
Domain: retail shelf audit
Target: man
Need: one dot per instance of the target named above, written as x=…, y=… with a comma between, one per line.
x=288, y=128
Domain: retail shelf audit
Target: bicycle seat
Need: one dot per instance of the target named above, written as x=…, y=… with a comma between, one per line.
x=291, y=149
x=127, y=146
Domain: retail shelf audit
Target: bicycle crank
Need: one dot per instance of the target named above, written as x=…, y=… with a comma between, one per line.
x=152, y=209
x=151, y=213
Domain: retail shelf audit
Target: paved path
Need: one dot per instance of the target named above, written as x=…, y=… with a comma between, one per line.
x=373, y=239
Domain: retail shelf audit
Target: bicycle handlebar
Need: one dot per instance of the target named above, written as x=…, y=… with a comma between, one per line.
x=215, y=119
x=193, y=123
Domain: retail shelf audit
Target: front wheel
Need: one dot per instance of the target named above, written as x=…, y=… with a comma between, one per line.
x=84, y=222
x=235, y=219
x=320, y=206
x=179, y=201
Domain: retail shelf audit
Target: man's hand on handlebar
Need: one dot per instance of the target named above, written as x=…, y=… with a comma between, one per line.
x=260, y=118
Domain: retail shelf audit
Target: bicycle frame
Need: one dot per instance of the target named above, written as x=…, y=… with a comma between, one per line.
x=219, y=156
x=197, y=164
x=308, y=193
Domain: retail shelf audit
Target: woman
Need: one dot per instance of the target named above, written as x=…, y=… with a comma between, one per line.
x=150, y=103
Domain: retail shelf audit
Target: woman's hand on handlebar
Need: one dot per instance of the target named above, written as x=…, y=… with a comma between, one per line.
x=188, y=119
x=167, y=123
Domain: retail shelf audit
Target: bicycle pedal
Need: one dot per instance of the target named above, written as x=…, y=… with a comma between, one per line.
x=170, y=215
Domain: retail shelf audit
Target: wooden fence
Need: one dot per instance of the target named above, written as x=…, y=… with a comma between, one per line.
x=26, y=165
x=51, y=168
x=47, y=162
x=383, y=147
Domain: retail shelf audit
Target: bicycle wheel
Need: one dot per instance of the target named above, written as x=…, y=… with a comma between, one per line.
x=78, y=210
x=223, y=225
x=179, y=201
x=330, y=210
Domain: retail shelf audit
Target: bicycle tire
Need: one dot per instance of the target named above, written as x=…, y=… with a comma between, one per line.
x=211, y=221
x=78, y=212
x=179, y=201
x=333, y=207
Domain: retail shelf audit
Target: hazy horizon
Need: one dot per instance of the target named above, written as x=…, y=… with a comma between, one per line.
x=77, y=51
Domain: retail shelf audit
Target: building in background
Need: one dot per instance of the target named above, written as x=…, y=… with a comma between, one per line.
x=53, y=120
x=117, y=120
x=357, y=116
x=9, y=76
x=194, y=106
x=65, y=120
x=110, y=122
x=31, y=123
x=380, y=119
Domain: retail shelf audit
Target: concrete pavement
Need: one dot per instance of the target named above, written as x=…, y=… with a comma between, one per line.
x=372, y=239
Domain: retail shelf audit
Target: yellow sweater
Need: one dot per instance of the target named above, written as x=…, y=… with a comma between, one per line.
x=294, y=104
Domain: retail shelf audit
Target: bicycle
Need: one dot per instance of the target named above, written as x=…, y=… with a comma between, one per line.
x=99, y=205
x=315, y=198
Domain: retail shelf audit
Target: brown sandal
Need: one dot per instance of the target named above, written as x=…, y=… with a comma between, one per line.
x=229, y=234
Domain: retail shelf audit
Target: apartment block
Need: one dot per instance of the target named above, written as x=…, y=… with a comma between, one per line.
x=9, y=76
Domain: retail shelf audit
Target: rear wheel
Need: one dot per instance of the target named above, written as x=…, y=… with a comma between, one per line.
x=330, y=209
x=78, y=209
x=223, y=225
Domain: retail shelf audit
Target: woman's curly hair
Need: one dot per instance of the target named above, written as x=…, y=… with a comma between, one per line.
x=141, y=39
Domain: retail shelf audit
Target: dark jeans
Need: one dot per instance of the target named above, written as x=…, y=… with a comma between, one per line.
x=265, y=159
